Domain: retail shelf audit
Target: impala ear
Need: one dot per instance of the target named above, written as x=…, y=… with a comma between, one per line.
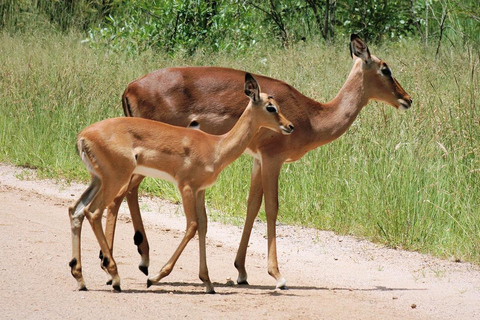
x=252, y=89
x=359, y=48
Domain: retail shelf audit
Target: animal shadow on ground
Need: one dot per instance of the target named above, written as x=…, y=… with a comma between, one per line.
x=178, y=288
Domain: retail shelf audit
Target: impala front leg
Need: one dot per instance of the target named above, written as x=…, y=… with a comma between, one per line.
x=202, y=232
x=270, y=174
x=189, y=207
x=253, y=206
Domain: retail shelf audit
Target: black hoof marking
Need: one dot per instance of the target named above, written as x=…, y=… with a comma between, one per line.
x=100, y=255
x=83, y=289
x=138, y=238
x=149, y=283
x=144, y=270
x=211, y=292
x=73, y=263
x=243, y=283
x=106, y=262
x=109, y=282
x=117, y=288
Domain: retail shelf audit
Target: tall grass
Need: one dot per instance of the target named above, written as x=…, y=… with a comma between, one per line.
x=409, y=180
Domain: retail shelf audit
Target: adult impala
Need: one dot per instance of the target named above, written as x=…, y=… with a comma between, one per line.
x=115, y=150
x=208, y=96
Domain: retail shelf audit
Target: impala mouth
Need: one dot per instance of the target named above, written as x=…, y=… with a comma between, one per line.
x=404, y=105
x=287, y=131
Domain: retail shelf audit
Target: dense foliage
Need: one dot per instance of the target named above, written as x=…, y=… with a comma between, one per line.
x=233, y=25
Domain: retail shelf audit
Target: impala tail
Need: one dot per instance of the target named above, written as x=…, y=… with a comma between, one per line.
x=85, y=155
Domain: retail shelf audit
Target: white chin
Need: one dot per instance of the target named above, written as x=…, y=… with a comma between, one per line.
x=403, y=105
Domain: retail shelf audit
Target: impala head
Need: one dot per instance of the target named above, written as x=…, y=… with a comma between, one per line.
x=379, y=83
x=267, y=109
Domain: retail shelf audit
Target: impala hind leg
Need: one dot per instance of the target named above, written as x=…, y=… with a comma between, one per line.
x=140, y=236
x=94, y=212
x=76, y=215
x=253, y=206
x=110, y=225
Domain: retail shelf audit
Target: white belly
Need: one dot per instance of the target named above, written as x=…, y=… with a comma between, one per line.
x=154, y=173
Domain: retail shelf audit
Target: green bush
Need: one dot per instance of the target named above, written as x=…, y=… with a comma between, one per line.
x=177, y=26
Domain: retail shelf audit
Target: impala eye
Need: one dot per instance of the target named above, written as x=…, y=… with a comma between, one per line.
x=271, y=108
x=386, y=71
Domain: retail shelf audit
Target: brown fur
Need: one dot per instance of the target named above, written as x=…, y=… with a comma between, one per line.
x=116, y=150
x=211, y=97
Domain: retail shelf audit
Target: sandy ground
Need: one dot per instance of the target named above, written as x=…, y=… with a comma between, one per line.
x=328, y=276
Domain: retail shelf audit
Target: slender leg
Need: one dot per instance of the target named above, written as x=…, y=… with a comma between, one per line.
x=111, y=189
x=140, y=237
x=76, y=221
x=270, y=187
x=76, y=215
x=111, y=222
x=202, y=232
x=189, y=206
x=94, y=215
x=253, y=206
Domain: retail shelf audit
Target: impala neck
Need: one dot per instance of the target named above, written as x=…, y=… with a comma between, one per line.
x=234, y=142
x=336, y=116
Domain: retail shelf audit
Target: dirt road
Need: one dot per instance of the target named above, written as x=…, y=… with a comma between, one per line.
x=328, y=276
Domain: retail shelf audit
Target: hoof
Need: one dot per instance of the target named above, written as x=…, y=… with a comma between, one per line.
x=117, y=288
x=282, y=284
x=211, y=292
x=281, y=288
x=83, y=288
x=144, y=270
x=109, y=282
x=149, y=283
x=243, y=282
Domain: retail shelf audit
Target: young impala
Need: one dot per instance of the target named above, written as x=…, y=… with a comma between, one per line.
x=114, y=150
x=209, y=97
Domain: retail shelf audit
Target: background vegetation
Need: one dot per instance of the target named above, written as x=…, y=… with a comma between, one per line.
x=408, y=180
x=237, y=25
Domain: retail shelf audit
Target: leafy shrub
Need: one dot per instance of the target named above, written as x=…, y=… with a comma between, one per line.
x=177, y=26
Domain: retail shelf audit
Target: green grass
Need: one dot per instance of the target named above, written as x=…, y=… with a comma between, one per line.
x=409, y=180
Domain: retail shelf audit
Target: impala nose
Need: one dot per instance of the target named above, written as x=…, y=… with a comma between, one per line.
x=288, y=130
x=405, y=103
